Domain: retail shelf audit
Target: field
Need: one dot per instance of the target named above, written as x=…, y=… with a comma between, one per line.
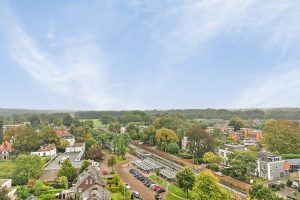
x=97, y=123
x=7, y=169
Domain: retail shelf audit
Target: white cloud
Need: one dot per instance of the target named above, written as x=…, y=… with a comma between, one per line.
x=79, y=73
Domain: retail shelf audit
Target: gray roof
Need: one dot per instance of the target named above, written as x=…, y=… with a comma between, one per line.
x=268, y=156
x=294, y=161
x=92, y=171
x=96, y=192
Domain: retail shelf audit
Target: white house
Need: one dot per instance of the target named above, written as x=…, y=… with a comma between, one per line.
x=46, y=150
x=76, y=147
x=184, y=142
x=228, y=149
x=70, y=139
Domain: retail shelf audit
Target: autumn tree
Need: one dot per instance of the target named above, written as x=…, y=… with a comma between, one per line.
x=10, y=133
x=285, y=134
x=94, y=153
x=199, y=141
x=26, y=139
x=207, y=187
x=210, y=157
x=166, y=135
x=48, y=136
x=185, y=179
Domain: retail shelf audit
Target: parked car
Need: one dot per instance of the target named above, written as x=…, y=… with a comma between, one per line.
x=127, y=186
x=160, y=190
x=158, y=196
x=135, y=195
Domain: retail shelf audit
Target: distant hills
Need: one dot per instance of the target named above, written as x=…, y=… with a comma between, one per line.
x=270, y=113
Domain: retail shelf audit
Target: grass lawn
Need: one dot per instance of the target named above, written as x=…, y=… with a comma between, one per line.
x=172, y=197
x=159, y=180
x=7, y=169
x=120, y=159
x=97, y=123
x=177, y=191
x=116, y=196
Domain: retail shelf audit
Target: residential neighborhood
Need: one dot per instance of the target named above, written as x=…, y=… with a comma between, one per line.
x=149, y=100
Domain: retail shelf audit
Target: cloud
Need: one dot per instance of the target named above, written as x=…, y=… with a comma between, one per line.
x=278, y=89
x=78, y=73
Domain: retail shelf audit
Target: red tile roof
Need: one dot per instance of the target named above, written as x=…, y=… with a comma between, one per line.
x=5, y=146
x=62, y=133
x=46, y=147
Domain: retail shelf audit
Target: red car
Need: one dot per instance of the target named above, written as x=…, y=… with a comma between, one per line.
x=156, y=188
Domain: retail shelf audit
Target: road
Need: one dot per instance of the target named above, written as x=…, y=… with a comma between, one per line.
x=123, y=171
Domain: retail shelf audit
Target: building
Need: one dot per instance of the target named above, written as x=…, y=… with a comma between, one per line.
x=46, y=150
x=123, y=129
x=184, y=143
x=209, y=129
x=7, y=183
x=294, y=164
x=76, y=147
x=270, y=166
x=249, y=142
x=228, y=149
x=61, y=133
x=235, y=136
x=5, y=151
x=69, y=138
x=89, y=185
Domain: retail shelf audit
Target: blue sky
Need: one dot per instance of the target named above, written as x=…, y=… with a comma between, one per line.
x=158, y=54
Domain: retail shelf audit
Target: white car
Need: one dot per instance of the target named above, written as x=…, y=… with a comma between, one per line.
x=127, y=186
x=219, y=173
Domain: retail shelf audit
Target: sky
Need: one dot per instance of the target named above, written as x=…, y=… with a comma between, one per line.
x=141, y=54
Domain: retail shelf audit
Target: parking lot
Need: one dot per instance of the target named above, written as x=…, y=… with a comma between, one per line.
x=136, y=185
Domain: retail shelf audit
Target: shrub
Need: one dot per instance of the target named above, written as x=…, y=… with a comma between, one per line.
x=213, y=167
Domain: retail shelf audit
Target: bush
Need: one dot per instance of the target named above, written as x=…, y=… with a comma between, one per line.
x=114, y=189
x=173, y=147
x=198, y=160
x=290, y=156
x=213, y=167
x=185, y=155
x=289, y=183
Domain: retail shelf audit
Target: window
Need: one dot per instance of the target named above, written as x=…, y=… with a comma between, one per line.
x=87, y=181
x=91, y=181
x=276, y=166
x=264, y=167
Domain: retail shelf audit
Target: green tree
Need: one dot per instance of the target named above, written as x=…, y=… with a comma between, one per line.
x=285, y=134
x=4, y=194
x=116, y=179
x=26, y=139
x=148, y=135
x=173, y=147
x=67, y=170
x=94, y=153
x=207, y=187
x=111, y=162
x=210, y=157
x=1, y=131
x=67, y=120
x=85, y=164
x=89, y=141
x=199, y=141
x=27, y=166
x=64, y=181
x=243, y=162
x=261, y=192
x=185, y=179
x=38, y=187
x=237, y=123
x=22, y=192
